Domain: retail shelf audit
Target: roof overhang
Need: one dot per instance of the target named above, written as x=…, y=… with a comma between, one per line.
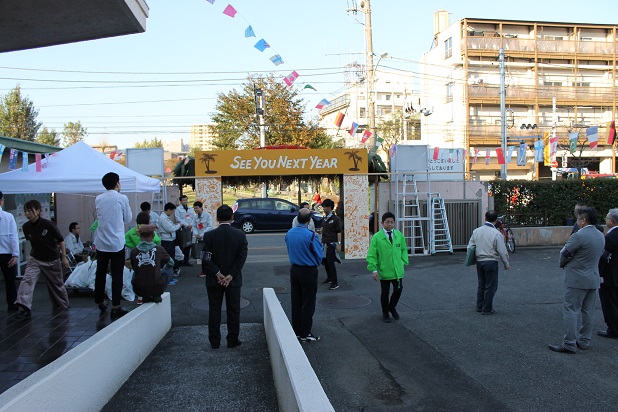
x=39, y=23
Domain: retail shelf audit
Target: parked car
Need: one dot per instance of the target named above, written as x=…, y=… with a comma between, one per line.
x=267, y=214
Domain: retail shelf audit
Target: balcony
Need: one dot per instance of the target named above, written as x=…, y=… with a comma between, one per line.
x=489, y=135
x=542, y=46
x=594, y=96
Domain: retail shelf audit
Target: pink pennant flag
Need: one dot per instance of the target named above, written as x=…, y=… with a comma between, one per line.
x=37, y=162
x=230, y=11
x=290, y=78
x=436, y=153
x=366, y=136
x=500, y=156
x=476, y=155
x=487, y=156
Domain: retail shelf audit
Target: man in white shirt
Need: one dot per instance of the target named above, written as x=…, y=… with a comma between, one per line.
x=9, y=254
x=154, y=217
x=167, y=232
x=113, y=212
x=184, y=216
x=72, y=242
x=202, y=223
x=310, y=225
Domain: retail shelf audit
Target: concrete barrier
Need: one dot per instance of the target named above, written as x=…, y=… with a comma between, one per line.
x=88, y=376
x=298, y=387
x=542, y=236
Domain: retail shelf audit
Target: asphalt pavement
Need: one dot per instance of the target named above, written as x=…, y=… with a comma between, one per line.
x=440, y=356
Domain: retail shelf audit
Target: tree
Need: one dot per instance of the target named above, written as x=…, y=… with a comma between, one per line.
x=73, y=133
x=49, y=137
x=237, y=126
x=18, y=116
x=149, y=143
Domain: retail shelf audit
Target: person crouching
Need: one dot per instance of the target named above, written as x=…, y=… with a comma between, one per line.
x=147, y=258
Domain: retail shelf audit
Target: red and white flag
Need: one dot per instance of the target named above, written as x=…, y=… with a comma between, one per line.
x=289, y=79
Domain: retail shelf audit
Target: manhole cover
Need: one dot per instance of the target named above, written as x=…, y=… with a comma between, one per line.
x=202, y=304
x=343, y=302
x=277, y=289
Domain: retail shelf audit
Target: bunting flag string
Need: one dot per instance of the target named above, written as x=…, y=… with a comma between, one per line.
x=261, y=45
x=277, y=60
x=290, y=78
x=593, y=136
x=322, y=103
x=308, y=86
x=249, y=32
x=366, y=135
x=229, y=10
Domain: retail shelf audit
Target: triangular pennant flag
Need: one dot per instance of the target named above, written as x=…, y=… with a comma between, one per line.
x=322, y=103
x=593, y=136
x=289, y=79
x=521, y=154
x=37, y=161
x=509, y=154
x=276, y=59
x=500, y=156
x=230, y=11
x=487, y=156
x=436, y=153
x=308, y=86
x=24, y=161
x=12, y=159
x=261, y=45
x=339, y=119
x=353, y=128
x=249, y=32
x=366, y=136
x=611, y=134
x=573, y=137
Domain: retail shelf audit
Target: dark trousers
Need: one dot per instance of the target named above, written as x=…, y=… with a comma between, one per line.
x=487, y=272
x=187, y=252
x=116, y=262
x=10, y=275
x=609, y=305
x=388, y=305
x=329, y=264
x=304, y=287
x=170, y=248
x=232, y=306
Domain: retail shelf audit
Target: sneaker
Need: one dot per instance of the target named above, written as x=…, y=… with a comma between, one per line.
x=117, y=313
x=177, y=272
x=310, y=338
x=326, y=281
x=333, y=287
x=386, y=318
x=201, y=275
x=395, y=314
x=173, y=282
x=23, y=314
x=139, y=300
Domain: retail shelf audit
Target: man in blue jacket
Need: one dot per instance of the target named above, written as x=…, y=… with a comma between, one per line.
x=305, y=253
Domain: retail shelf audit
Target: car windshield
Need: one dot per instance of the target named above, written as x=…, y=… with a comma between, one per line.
x=282, y=206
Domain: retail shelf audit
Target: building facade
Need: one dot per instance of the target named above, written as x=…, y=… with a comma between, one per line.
x=393, y=95
x=202, y=136
x=571, y=64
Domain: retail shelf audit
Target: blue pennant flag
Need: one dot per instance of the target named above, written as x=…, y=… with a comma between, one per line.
x=249, y=32
x=261, y=45
x=24, y=161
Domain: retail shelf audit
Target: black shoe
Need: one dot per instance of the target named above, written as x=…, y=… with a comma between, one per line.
x=117, y=313
x=234, y=344
x=604, y=334
x=491, y=312
x=23, y=314
x=582, y=347
x=215, y=345
x=333, y=287
x=326, y=281
x=157, y=299
x=395, y=314
x=102, y=308
x=310, y=338
x=386, y=318
x=561, y=349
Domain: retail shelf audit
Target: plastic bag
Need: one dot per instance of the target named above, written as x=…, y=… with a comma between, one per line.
x=178, y=255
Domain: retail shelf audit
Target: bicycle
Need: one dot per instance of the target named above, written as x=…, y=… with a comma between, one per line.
x=509, y=237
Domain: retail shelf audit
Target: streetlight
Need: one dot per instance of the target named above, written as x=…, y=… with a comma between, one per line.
x=371, y=101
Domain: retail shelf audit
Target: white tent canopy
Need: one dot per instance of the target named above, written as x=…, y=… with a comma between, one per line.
x=76, y=169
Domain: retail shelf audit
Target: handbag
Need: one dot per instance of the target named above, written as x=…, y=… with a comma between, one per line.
x=471, y=256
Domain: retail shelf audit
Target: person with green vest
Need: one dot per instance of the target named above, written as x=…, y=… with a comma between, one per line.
x=386, y=258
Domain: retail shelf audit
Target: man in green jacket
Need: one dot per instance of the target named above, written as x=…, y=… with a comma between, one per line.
x=386, y=258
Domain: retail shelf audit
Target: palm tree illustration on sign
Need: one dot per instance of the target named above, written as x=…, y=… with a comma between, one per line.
x=206, y=159
x=353, y=155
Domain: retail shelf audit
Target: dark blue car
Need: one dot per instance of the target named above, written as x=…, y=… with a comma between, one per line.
x=267, y=214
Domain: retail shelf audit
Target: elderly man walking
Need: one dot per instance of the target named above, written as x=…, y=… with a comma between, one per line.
x=608, y=268
x=580, y=260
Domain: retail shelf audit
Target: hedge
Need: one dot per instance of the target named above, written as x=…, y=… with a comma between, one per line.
x=551, y=202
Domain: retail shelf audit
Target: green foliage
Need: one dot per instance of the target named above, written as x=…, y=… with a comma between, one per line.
x=49, y=137
x=146, y=144
x=527, y=201
x=237, y=126
x=18, y=116
x=73, y=133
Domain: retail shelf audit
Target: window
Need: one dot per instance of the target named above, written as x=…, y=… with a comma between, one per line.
x=449, y=92
x=448, y=47
x=387, y=97
x=362, y=112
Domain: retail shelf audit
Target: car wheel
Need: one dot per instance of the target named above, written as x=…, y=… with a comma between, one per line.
x=247, y=226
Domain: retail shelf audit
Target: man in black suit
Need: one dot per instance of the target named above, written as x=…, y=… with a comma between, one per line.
x=608, y=269
x=223, y=256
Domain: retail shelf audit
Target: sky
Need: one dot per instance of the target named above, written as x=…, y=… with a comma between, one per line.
x=137, y=87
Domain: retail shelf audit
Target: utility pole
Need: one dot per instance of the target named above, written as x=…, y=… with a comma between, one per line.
x=503, y=168
x=366, y=7
x=259, y=111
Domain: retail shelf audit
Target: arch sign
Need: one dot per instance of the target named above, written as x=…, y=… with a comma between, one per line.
x=280, y=162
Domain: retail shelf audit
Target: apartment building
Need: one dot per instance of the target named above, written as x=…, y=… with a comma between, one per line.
x=393, y=91
x=573, y=63
x=202, y=136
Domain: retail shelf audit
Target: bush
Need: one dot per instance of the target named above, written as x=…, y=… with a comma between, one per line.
x=553, y=201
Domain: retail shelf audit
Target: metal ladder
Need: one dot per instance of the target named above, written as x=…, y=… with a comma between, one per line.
x=440, y=237
x=159, y=199
x=409, y=216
